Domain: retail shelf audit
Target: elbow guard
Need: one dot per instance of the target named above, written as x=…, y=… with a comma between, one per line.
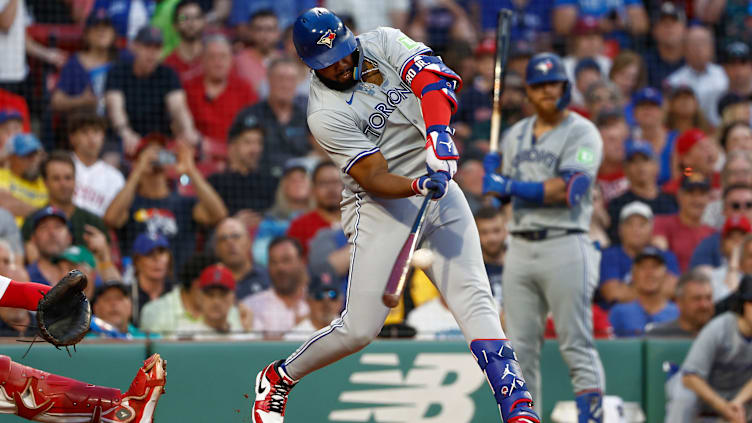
x=578, y=185
x=448, y=84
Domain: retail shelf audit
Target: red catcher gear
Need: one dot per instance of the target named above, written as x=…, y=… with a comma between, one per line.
x=272, y=387
x=41, y=396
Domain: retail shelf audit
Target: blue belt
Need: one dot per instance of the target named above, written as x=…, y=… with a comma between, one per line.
x=546, y=234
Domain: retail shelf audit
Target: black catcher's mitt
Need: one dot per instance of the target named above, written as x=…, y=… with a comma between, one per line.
x=64, y=314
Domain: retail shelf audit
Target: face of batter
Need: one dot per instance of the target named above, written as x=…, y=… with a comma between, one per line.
x=545, y=96
x=339, y=75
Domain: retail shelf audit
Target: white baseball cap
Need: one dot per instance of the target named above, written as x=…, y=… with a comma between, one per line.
x=638, y=208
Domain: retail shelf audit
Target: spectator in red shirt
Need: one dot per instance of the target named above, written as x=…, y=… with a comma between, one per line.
x=189, y=22
x=695, y=152
x=681, y=232
x=216, y=96
x=615, y=132
x=327, y=193
x=261, y=35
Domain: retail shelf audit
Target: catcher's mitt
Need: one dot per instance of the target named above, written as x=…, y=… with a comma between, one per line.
x=370, y=73
x=64, y=314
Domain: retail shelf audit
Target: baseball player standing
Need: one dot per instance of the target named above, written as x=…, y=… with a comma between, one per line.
x=380, y=105
x=549, y=165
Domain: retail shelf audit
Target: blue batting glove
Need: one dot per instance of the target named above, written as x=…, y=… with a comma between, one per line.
x=435, y=184
x=498, y=185
x=491, y=162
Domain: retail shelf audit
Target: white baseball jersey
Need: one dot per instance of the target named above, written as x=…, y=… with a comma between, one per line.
x=4, y=284
x=352, y=124
x=573, y=145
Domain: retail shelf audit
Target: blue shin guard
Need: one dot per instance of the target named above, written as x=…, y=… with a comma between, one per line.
x=498, y=361
x=589, y=407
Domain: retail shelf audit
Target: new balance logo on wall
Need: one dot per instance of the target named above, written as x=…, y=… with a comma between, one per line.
x=436, y=389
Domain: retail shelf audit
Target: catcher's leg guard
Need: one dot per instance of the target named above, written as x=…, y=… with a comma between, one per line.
x=45, y=397
x=589, y=407
x=498, y=361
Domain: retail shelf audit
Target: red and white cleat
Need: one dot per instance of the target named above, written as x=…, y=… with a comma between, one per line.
x=138, y=403
x=272, y=388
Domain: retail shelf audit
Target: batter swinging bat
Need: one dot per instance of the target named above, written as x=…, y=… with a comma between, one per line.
x=500, y=70
x=398, y=276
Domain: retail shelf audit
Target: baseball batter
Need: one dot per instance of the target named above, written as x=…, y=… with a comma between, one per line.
x=380, y=105
x=550, y=161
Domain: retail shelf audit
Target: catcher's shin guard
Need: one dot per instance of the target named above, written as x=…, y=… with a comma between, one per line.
x=498, y=361
x=40, y=396
x=589, y=407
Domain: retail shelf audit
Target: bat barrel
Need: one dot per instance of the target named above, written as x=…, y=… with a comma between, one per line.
x=390, y=300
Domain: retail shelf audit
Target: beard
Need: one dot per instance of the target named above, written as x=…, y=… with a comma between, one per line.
x=336, y=85
x=189, y=37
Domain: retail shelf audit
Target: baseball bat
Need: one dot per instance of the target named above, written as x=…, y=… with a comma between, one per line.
x=500, y=69
x=398, y=276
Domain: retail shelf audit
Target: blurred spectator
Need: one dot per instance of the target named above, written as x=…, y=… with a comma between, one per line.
x=11, y=234
x=696, y=152
x=492, y=230
x=601, y=95
x=669, y=29
x=586, y=73
x=470, y=178
x=54, y=12
x=684, y=111
x=520, y=52
x=707, y=78
x=180, y=309
x=717, y=372
x=283, y=121
x=11, y=123
x=737, y=63
x=127, y=16
x=531, y=19
x=15, y=45
x=651, y=305
x=59, y=175
x=14, y=322
x=585, y=41
x=734, y=240
x=283, y=306
x=189, y=22
x=246, y=187
x=736, y=173
x=22, y=189
x=635, y=230
x=628, y=73
x=325, y=302
x=649, y=115
x=329, y=252
x=736, y=136
x=694, y=299
x=475, y=101
x=144, y=96
x=615, y=133
x=327, y=195
x=50, y=236
x=370, y=16
x=732, y=107
x=232, y=246
x=260, y=37
x=737, y=198
x=80, y=258
x=112, y=304
x=682, y=232
x=217, y=95
x=152, y=266
x=285, y=10
x=97, y=182
x=730, y=17
x=217, y=300
x=445, y=26
x=641, y=169
x=82, y=80
x=293, y=197
x=146, y=202
x=613, y=16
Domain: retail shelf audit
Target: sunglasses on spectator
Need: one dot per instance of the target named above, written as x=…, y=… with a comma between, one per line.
x=737, y=205
x=331, y=294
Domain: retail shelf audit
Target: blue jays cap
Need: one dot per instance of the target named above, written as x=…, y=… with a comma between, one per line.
x=648, y=95
x=45, y=212
x=145, y=243
x=639, y=147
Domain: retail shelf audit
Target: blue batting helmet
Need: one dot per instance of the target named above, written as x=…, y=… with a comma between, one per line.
x=321, y=38
x=547, y=67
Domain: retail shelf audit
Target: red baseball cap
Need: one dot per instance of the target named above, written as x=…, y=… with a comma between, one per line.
x=152, y=137
x=688, y=139
x=586, y=25
x=736, y=222
x=217, y=275
x=487, y=46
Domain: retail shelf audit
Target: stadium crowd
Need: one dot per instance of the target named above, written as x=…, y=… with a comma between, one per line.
x=162, y=148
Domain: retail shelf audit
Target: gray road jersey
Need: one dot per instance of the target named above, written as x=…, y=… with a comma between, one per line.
x=574, y=145
x=721, y=355
x=367, y=118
